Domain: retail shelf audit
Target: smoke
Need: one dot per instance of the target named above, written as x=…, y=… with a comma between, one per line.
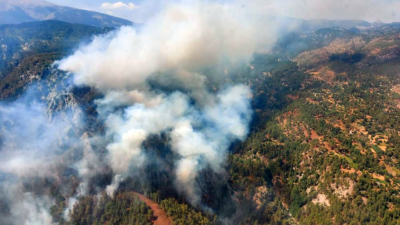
x=28, y=209
x=88, y=166
x=153, y=83
x=206, y=146
x=29, y=139
x=369, y=10
x=183, y=37
x=32, y=154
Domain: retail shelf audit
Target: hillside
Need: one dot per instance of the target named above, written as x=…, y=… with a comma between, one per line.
x=27, y=48
x=20, y=11
x=325, y=141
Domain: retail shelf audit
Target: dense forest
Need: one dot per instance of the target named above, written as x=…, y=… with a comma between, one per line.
x=123, y=208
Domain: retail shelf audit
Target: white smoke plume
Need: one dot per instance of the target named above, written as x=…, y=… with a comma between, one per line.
x=182, y=37
x=206, y=146
x=29, y=138
x=33, y=148
x=31, y=210
x=132, y=67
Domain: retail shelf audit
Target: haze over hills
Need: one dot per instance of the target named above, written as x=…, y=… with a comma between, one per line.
x=19, y=11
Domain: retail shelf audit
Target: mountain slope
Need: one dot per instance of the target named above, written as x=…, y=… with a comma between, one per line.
x=19, y=11
x=26, y=47
x=326, y=136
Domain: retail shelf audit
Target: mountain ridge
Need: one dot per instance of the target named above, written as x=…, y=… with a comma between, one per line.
x=20, y=11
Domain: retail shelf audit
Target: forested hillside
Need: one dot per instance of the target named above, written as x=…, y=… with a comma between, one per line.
x=324, y=143
x=325, y=140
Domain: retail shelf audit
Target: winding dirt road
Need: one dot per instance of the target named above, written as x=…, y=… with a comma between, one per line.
x=161, y=216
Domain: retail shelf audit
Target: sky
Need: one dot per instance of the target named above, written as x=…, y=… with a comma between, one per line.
x=134, y=10
x=370, y=10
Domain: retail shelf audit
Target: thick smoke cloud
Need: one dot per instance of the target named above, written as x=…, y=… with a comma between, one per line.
x=183, y=37
x=29, y=138
x=153, y=83
x=227, y=121
x=33, y=149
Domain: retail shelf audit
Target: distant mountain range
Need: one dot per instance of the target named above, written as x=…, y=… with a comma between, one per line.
x=20, y=11
x=291, y=24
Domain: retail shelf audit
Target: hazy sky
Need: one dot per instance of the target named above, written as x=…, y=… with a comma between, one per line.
x=370, y=10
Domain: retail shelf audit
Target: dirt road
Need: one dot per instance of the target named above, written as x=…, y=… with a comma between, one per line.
x=162, y=218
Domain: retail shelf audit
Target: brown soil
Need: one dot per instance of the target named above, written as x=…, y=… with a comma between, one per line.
x=292, y=97
x=365, y=200
x=376, y=51
x=383, y=147
x=352, y=170
x=374, y=153
x=283, y=120
x=323, y=74
x=309, y=100
x=397, y=103
x=391, y=170
x=161, y=216
x=391, y=207
x=314, y=135
x=340, y=124
x=359, y=129
x=396, y=89
x=377, y=176
x=260, y=193
x=327, y=146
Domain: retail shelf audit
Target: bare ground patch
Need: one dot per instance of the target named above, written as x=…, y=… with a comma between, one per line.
x=321, y=199
x=344, y=191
